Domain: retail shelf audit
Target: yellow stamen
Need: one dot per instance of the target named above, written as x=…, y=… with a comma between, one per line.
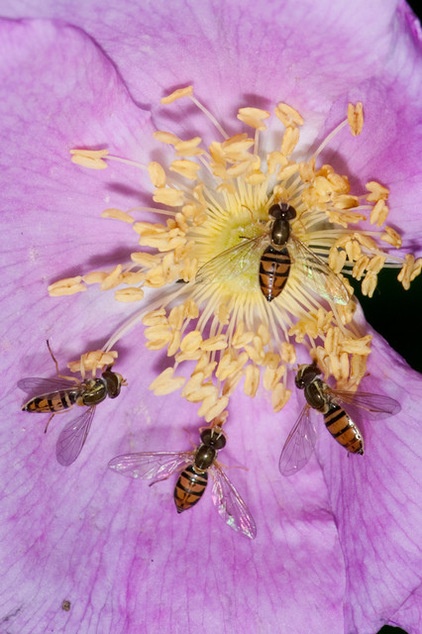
x=185, y=168
x=178, y=94
x=168, y=196
x=92, y=159
x=213, y=407
x=355, y=118
x=66, y=286
x=130, y=294
x=117, y=214
x=112, y=279
x=288, y=115
x=189, y=147
x=280, y=397
x=166, y=137
x=391, y=236
x=411, y=269
x=253, y=117
x=157, y=174
x=95, y=277
x=166, y=383
x=379, y=213
x=376, y=192
x=290, y=140
x=93, y=361
x=251, y=380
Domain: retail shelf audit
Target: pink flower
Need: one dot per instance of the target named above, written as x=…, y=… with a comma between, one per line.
x=338, y=545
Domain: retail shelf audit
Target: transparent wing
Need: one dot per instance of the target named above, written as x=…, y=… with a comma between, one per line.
x=299, y=445
x=231, y=262
x=317, y=273
x=150, y=465
x=230, y=506
x=39, y=386
x=73, y=436
x=377, y=405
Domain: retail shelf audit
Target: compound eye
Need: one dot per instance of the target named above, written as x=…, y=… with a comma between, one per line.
x=275, y=211
x=206, y=435
x=289, y=213
x=219, y=441
x=113, y=382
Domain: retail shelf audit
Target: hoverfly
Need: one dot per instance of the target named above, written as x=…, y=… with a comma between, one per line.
x=193, y=479
x=56, y=396
x=281, y=250
x=336, y=407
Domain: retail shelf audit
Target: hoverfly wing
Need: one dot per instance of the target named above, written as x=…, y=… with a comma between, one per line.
x=150, y=465
x=73, y=436
x=230, y=506
x=317, y=273
x=377, y=405
x=39, y=386
x=231, y=262
x=299, y=445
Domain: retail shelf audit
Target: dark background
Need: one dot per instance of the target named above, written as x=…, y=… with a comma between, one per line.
x=396, y=313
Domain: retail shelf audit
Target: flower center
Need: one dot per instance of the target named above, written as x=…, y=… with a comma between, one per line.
x=249, y=255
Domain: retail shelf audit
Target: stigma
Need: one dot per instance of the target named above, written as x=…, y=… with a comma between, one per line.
x=249, y=258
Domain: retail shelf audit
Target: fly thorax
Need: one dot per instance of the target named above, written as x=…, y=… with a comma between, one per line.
x=95, y=392
x=204, y=457
x=316, y=396
x=280, y=233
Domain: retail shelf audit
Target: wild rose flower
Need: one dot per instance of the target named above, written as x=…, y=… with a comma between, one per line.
x=337, y=546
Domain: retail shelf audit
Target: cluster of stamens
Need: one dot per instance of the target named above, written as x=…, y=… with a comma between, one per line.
x=208, y=311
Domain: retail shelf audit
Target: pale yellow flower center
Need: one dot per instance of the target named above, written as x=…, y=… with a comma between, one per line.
x=204, y=256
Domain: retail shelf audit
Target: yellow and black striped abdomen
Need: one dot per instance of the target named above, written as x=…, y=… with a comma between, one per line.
x=343, y=429
x=189, y=488
x=274, y=269
x=53, y=402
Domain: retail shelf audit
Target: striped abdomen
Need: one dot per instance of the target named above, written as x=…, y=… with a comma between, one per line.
x=343, y=429
x=274, y=269
x=189, y=488
x=52, y=402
